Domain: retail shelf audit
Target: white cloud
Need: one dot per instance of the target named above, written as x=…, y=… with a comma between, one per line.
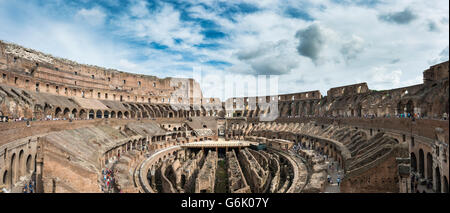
x=93, y=16
x=352, y=34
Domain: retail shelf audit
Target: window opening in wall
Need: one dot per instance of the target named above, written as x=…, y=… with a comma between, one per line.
x=92, y=76
x=15, y=80
x=154, y=84
x=139, y=83
x=47, y=86
x=121, y=98
x=4, y=76
x=65, y=91
x=57, y=89
x=106, y=95
x=404, y=138
x=82, y=94
x=109, y=79
x=124, y=81
x=98, y=95
x=76, y=73
x=37, y=87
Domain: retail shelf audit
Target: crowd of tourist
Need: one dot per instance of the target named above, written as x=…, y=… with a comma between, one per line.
x=108, y=180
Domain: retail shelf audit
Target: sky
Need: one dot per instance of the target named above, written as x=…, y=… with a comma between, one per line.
x=305, y=45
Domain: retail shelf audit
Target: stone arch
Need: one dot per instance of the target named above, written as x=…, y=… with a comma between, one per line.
x=126, y=114
x=58, y=112
x=113, y=114
x=91, y=114
x=82, y=114
x=429, y=174
x=98, y=114
x=29, y=164
x=74, y=113
x=47, y=110
x=119, y=114
x=410, y=107
x=413, y=162
x=400, y=107
x=13, y=169
x=106, y=114
x=66, y=112
x=20, y=164
x=438, y=180
x=421, y=163
x=144, y=114
x=5, y=177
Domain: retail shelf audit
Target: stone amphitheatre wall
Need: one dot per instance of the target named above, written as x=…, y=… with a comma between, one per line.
x=236, y=179
x=36, y=71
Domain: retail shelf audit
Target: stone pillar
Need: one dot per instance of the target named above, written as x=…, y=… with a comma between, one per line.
x=39, y=166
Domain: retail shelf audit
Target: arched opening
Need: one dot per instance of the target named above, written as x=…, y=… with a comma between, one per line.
x=113, y=114
x=400, y=108
x=66, y=113
x=359, y=110
x=438, y=180
x=106, y=114
x=421, y=163
x=170, y=115
x=28, y=164
x=99, y=114
x=20, y=164
x=13, y=169
x=58, y=112
x=126, y=114
x=119, y=114
x=429, y=166
x=5, y=177
x=410, y=107
x=74, y=113
x=82, y=114
x=413, y=162
x=91, y=114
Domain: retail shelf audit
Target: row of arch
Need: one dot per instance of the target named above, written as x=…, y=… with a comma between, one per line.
x=422, y=165
x=19, y=165
x=146, y=111
x=316, y=107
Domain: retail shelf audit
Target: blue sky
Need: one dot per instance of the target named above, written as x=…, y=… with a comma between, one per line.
x=309, y=45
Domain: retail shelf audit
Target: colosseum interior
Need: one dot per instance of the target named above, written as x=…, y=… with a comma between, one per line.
x=68, y=127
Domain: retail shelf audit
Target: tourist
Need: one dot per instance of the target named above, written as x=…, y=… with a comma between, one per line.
x=338, y=181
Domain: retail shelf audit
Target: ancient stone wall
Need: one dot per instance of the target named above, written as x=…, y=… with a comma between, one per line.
x=206, y=177
x=236, y=179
